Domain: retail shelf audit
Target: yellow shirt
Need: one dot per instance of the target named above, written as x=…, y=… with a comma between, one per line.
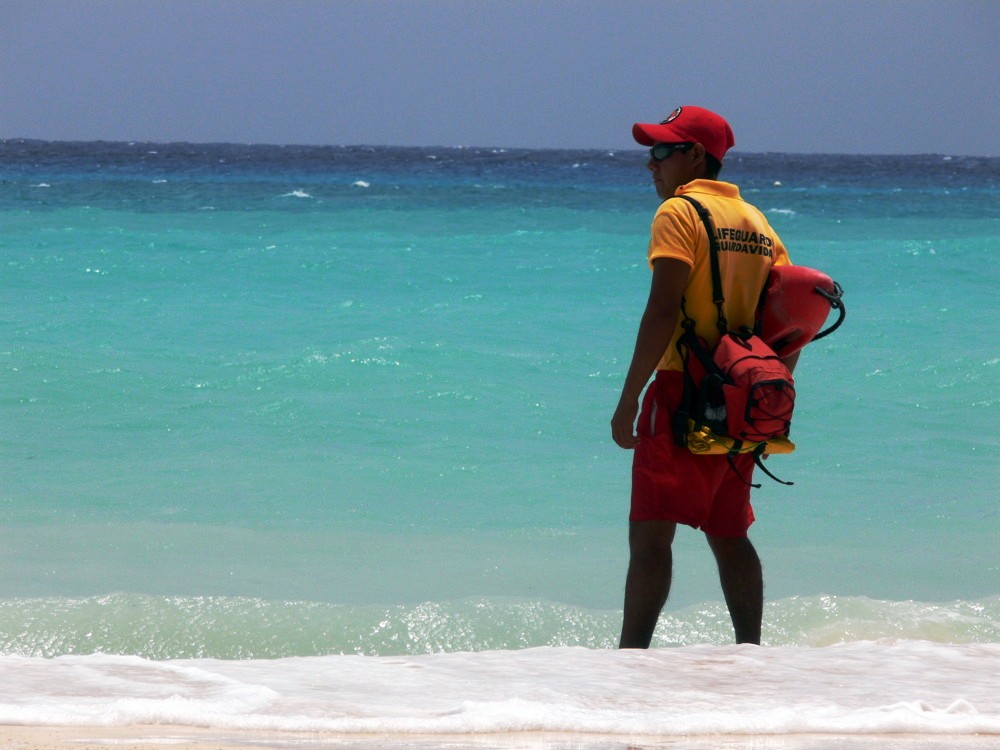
x=748, y=247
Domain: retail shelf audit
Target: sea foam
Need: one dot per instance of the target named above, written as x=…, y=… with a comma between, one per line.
x=868, y=687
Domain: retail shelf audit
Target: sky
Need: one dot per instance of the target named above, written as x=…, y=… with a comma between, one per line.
x=807, y=76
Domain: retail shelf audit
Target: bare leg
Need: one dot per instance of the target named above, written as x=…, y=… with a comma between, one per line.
x=648, y=581
x=742, y=584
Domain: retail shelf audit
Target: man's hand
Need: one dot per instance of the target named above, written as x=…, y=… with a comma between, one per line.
x=623, y=423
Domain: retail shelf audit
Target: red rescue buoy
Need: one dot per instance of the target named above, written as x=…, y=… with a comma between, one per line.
x=795, y=306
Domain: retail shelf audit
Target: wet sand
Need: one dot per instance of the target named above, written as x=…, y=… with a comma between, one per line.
x=158, y=737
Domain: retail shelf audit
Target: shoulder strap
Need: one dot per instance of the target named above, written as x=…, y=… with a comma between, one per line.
x=713, y=251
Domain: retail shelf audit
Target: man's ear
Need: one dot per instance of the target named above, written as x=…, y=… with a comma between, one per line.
x=697, y=154
x=696, y=163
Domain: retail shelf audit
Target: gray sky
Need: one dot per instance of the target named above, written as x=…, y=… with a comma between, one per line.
x=879, y=76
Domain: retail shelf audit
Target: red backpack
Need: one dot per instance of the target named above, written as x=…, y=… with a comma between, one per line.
x=757, y=388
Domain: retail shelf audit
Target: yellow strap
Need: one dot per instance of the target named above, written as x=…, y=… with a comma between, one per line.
x=706, y=442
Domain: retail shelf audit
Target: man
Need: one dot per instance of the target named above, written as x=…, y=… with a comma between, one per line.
x=671, y=485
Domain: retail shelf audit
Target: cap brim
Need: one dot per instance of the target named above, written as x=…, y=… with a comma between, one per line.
x=646, y=134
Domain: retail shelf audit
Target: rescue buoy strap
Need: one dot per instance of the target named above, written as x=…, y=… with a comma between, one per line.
x=837, y=303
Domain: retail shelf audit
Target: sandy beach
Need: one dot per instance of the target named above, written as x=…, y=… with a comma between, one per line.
x=156, y=737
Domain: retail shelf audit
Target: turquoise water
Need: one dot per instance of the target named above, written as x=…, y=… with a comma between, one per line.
x=376, y=383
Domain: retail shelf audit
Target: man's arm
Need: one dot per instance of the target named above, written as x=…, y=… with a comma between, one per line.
x=656, y=328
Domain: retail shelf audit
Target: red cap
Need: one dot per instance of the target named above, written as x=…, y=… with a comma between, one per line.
x=688, y=125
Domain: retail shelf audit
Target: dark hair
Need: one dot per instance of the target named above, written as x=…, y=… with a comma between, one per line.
x=712, y=167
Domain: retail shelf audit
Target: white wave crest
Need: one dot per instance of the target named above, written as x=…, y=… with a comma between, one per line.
x=862, y=688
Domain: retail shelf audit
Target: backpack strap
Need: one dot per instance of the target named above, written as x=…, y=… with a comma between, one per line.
x=713, y=247
x=758, y=459
x=689, y=344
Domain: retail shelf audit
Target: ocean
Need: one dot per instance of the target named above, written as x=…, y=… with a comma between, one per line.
x=316, y=438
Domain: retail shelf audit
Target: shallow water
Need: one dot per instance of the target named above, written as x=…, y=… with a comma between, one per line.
x=279, y=402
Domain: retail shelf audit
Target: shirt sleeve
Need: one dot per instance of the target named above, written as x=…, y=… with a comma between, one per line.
x=674, y=234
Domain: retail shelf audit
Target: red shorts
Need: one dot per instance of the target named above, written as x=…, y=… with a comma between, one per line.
x=670, y=483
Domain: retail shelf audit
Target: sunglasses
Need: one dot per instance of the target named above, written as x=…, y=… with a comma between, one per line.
x=662, y=151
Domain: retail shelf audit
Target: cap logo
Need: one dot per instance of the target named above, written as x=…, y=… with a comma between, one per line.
x=672, y=116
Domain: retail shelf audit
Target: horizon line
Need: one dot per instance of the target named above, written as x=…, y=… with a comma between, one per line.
x=464, y=147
